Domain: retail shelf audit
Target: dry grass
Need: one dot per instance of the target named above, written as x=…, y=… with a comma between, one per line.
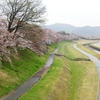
x=89, y=87
x=61, y=89
x=89, y=50
x=3, y=75
x=96, y=45
x=82, y=41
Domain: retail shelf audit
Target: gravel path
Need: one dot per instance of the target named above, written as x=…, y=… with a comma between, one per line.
x=95, y=60
x=30, y=82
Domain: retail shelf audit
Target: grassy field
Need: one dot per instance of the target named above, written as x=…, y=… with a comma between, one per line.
x=67, y=79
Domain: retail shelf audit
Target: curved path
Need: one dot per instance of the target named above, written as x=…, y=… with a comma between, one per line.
x=30, y=82
x=95, y=60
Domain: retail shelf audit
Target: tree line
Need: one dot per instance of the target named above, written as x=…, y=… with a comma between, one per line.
x=21, y=28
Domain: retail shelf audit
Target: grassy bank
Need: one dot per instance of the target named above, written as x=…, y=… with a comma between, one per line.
x=84, y=81
x=83, y=76
x=54, y=85
x=25, y=64
x=89, y=50
x=67, y=79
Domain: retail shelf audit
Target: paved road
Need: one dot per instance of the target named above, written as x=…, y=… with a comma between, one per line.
x=95, y=60
x=30, y=82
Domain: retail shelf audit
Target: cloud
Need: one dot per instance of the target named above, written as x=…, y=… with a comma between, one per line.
x=77, y=12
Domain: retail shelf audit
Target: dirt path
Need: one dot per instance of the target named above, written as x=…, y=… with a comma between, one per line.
x=32, y=81
x=95, y=60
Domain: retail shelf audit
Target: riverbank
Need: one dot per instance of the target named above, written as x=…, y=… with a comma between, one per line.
x=66, y=79
x=31, y=81
x=24, y=66
x=97, y=63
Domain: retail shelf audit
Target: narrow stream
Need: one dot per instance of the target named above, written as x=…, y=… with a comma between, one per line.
x=95, y=60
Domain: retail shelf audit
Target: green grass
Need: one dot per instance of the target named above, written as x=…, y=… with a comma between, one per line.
x=66, y=79
x=72, y=53
x=45, y=89
x=53, y=46
x=77, y=72
x=84, y=81
x=60, y=49
x=84, y=77
x=24, y=65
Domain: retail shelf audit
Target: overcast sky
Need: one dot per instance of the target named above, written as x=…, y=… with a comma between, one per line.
x=75, y=12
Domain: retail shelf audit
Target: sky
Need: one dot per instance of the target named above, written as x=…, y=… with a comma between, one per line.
x=74, y=12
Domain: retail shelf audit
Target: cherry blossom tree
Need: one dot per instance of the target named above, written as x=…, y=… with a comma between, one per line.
x=21, y=11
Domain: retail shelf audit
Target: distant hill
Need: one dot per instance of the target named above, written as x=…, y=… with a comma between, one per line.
x=76, y=30
x=61, y=27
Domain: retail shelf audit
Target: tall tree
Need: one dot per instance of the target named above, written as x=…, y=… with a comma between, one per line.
x=21, y=11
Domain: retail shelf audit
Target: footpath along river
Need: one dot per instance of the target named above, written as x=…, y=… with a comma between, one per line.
x=95, y=60
x=31, y=81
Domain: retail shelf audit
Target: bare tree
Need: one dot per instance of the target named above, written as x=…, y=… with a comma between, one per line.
x=21, y=11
